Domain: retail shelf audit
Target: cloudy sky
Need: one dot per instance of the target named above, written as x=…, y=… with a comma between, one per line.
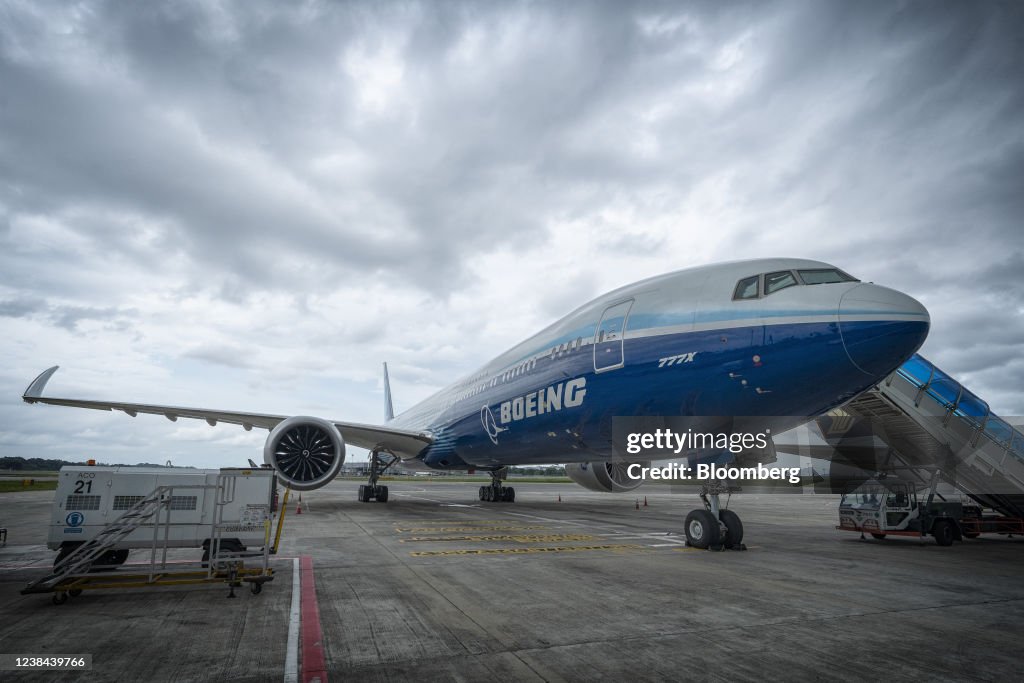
x=251, y=205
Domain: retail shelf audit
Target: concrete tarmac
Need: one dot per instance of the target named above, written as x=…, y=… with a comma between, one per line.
x=434, y=585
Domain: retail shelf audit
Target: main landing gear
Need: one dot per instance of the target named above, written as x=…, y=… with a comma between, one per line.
x=495, y=492
x=714, y=528
x=380, y=461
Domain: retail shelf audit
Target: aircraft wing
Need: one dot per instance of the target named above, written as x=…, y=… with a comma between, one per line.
x=404, y=443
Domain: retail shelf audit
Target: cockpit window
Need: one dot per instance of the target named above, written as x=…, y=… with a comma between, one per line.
x=746, y=288
x=824, y=276
x=773, y=282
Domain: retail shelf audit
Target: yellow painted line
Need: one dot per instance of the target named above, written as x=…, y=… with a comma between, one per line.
x=549, y=538
x=454, y=529
x=523, y=551
x=466, y=522
x=689, y=549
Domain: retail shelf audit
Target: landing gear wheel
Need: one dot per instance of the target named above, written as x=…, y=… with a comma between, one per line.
x=943, y=532
x=382, y=494
x=75, y=592
x=488, y=494
x=59, y=598
x=509, y=494
x=365, y=493
x=880, y=537
x=702, y=530
x=733, y=528
x=481, y=493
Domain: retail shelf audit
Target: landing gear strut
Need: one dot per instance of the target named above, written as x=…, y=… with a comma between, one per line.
x=496, y=493
x=714, y=528
x=380, y=461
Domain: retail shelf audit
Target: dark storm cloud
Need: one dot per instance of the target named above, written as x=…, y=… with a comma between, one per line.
x=67, y=317
x=21, y=308
x=207, y=120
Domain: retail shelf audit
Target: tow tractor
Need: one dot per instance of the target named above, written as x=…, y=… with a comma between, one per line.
x=889, y=506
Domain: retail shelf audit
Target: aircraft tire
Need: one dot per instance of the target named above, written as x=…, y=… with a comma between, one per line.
x=733, y=528
x=382, y=494
x=702, y=529
x=510, y=495
x=943, y=532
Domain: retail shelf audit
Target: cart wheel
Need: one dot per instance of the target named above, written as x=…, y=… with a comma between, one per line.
x=60, y=598
x=75, y=592
x=256, y=587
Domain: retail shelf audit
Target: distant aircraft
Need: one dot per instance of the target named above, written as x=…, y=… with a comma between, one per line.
x=782, y=337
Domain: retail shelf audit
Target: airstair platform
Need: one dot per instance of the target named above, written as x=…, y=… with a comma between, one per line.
x=922, y=418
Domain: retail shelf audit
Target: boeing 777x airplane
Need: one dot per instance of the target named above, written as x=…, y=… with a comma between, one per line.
x=769, y=337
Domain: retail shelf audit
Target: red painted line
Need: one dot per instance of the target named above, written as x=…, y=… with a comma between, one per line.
x=314, y=670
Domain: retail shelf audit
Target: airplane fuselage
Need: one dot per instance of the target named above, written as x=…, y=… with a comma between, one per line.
x=690, y=343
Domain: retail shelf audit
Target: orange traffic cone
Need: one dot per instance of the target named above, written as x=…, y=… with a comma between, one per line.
x=298, y=508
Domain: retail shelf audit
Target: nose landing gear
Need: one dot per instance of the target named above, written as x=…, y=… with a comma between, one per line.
x=714, y=528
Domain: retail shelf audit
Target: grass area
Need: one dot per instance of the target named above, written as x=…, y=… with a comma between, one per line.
x=15, y=485
x=27, y=474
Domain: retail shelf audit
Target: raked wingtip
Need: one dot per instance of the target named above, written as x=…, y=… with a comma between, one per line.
x=35, y=390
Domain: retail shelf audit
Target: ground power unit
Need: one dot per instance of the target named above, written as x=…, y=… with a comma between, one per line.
x=194, y=510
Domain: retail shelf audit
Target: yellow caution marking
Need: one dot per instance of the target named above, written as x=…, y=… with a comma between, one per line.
x=523, y=551
x=534, y=538
x=455, y=529
x=467, y=522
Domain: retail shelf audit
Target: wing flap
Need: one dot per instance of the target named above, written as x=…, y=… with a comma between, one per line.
x=404, y=443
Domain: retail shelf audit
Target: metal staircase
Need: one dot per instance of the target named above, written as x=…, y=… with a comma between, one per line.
x=927, y=419
x=84, y=558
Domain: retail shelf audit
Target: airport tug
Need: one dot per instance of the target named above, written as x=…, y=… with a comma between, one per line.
x=889, y=506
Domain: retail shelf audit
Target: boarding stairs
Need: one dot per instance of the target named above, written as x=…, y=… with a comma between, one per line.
x=85, y=557
x=928, y=420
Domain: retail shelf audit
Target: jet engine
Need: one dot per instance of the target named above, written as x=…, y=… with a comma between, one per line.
x=307, y=452
x=606, y=477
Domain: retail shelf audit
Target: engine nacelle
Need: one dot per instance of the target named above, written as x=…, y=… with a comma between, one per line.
x=606, y=477
x=307, y=452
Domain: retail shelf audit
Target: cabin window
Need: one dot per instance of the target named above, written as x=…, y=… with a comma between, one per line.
x=773, y=282
x=824, y=276
x=746, y=288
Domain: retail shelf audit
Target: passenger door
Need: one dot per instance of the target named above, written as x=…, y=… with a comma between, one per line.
x=608, y=349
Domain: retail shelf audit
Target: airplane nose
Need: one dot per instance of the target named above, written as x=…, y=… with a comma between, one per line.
x=881, y=327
